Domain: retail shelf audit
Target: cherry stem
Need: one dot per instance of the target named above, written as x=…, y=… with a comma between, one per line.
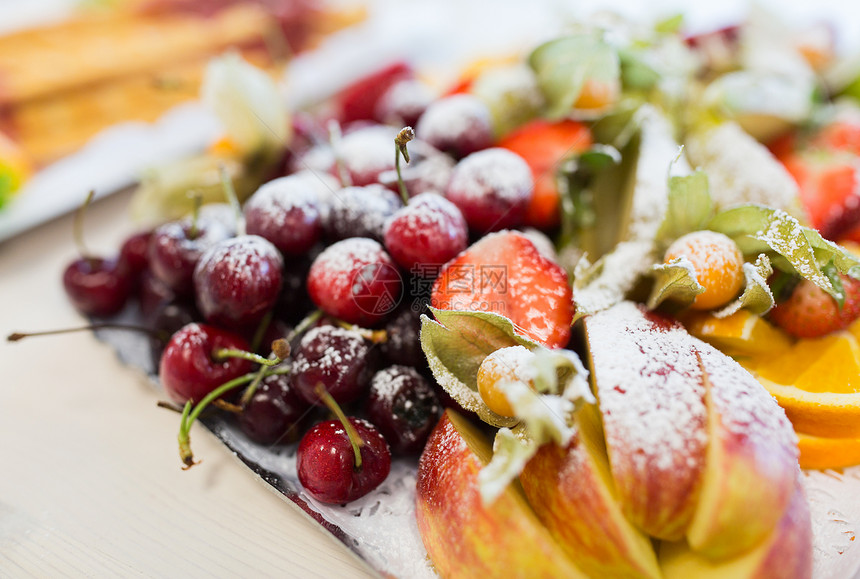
x=230, y=192
x=224, y=353
x=354, y=439
x=159, y=335
x=374, y=336
x=306, y=323
x=191, y=411
x=405, y=135
x=78, y=225
x=197, y=199
x=334, y=137
x=280, y=351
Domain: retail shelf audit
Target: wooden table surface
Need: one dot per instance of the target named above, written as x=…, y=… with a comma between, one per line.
x=91, y=483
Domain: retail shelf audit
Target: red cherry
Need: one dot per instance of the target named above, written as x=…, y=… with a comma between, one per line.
x=286, y=212
x=189, y=369
x=97, y=287
x=175, y=248
x=429, y=230
x=134, y=254
x=238, y=280
x=355, y=280
x=458, y=124
x=326, y=461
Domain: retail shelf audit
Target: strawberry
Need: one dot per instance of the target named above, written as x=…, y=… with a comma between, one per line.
x=840, y=136
x=358, y=100
x=544, y=145
x=829, y=189
x=504, y=273
x=809, y=312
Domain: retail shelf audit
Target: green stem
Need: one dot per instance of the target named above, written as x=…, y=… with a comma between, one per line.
x=224, y=353
x=197, y=199
x=306, y=323
x=334, y=136
x=280, y=350
x=230, y=192
x=405, y=135
x=354, y=439
x=78, y=226
x=159, y=335
x=189, y=415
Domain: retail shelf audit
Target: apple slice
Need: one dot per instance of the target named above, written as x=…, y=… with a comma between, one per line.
x=649, y=385
x=465, y=537
x=572, y=492
x=786, y=553
x=697, y=447
x=751, y=461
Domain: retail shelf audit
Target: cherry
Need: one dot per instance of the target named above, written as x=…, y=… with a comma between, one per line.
x=428, y=172
x=359, y=100
x=458, y=124
x=238, y=280
x=286, y=212
x=168, y=319
x=153, y=294
x=273, y=413
x=403, y=344
x=492, y=188
x=355, y=280
x=403, y=103
x=339, y=359
x=429, y=230
x=176, y=246
x=404, y=407
x=364, y=153
x=326, y=461
x=190, y=368
x=134, y=254
x=361, y=212
x=96, y=286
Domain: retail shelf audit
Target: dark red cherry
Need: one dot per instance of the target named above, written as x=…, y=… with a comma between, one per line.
x=238, y=280
x=189, y=369
x=134, y=254
x=355, y=280
x=359, y=100
x=403, y=103
x=361, y=211
x=404, y=407
x=429, y=230
x=274, y=412
x=492, y=188
x=403, y=331
x=326, y=461
x=366, y=152
x=337, y=358
x=175, y=248
x=96, y=286
x=286, y=212
x=458, y=124
x=428, y=171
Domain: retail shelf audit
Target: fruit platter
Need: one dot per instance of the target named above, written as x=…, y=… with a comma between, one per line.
x=586, y=308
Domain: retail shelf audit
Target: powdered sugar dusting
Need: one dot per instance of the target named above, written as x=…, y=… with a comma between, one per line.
x=618, y=273
x=444, y=120
x=652, y=398
x=495, y=171
x=511, y=362
x=241, y=257
x=366, y=152
x=740, y=169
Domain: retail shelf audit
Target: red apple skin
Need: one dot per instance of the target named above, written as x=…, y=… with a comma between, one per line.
x=578, y=506
x=466, y=538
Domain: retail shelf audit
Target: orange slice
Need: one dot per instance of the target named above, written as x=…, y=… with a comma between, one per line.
x=740, y=334
x=817, y=382
x=820, y=453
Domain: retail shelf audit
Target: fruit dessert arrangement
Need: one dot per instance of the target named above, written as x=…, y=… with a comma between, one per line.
x=615, y=257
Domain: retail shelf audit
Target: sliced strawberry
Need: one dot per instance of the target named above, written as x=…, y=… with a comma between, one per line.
x=544, y=145
x=829, y=187
x=810, y=312
x=358, y=100
x=840, y=136
x=504, y=273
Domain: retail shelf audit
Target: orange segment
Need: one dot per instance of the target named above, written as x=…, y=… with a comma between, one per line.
x=740, y=334
x=817, y=382
x=820, y=453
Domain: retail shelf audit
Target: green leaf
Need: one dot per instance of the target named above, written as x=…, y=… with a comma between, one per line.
x=5, y=188
x=756, y=297
x=675, y=281
x=565, y=64
x=757, y=229
x=689, y=206
x=636, y=74
x=511, y=451
x=248, y=104
x=455, y=346
x=670, y=25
